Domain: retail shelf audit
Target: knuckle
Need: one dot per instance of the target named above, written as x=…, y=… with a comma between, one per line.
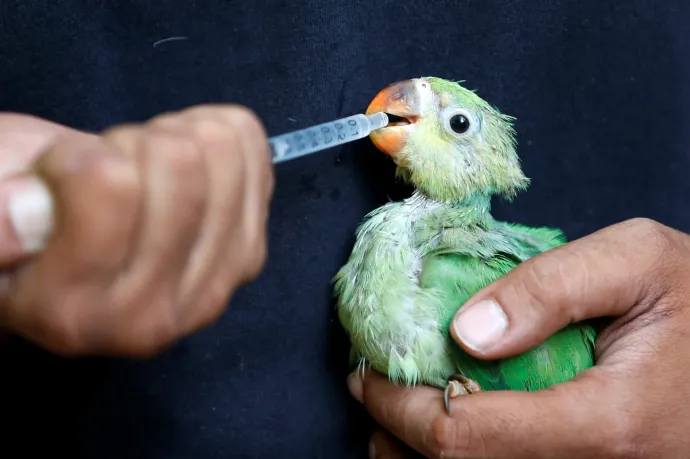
x=117, y=175
x=226, y=138
x=73, y=157
x=145, y=320
x=212, y=129
x=231, y=115
x=248, y=125
x=161, y=329
x=123, y=138
x=59, y=330
x=248, y=120
x=652, y=233
x=451, y=437
x=215, y=306
x=121, y=132
x=180, y=152
x=665, y=251
x=166, y=120
x=252, y=125
x=643, y=223
x=64, y=344
x=539, y=281
x=203, y=110
x=162, y=336
x=196, y=313
x=232, y=138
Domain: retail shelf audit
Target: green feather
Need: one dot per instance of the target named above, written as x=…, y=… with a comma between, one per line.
x=457, y=277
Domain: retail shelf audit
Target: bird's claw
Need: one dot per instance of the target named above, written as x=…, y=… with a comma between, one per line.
x=453, y=389
x=459, y=385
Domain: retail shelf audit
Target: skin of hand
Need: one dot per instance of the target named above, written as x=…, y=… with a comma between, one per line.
x=632, y=404
x=152, y=227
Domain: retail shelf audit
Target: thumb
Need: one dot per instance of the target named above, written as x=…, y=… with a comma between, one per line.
x=25, y=204
x=26, y=218
x=621, y=270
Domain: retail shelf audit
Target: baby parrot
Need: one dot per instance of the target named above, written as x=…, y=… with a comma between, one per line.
x=415, y=262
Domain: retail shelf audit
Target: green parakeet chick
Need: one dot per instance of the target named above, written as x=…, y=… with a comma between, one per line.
x=415, y=262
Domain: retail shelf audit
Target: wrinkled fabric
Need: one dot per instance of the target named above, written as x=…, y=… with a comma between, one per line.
x=600, y=93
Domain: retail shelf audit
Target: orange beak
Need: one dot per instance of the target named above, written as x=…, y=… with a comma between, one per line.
x=402, y=100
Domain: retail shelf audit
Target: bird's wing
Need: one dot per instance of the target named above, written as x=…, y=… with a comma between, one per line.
x=458, y=269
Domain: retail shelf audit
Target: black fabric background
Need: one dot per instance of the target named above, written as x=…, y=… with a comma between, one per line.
x=600, y=92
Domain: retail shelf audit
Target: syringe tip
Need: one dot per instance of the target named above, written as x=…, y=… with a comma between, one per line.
x=378, y=120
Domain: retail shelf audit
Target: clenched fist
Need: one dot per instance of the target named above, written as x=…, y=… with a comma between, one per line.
x=121, y=243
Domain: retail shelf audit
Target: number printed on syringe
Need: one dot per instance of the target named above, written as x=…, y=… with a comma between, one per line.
x=323, y=136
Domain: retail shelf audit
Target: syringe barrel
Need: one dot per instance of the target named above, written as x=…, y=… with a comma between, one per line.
x=323, y=136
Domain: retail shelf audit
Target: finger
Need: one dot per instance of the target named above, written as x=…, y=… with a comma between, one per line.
x=171, y=162
x=237, y=161
x=226, y=169
x=24, y=137
x=25, y=207
x=173, y=200
x=257, y=194
x=502, y=424
x=385, y=446
x=95, y=193
x=619, y=271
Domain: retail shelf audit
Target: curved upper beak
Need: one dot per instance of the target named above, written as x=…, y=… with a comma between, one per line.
x=402, y=100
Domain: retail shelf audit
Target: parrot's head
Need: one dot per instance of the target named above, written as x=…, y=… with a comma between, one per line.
x=447, y=141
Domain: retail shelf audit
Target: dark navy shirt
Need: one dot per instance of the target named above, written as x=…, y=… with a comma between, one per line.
x=600, y=92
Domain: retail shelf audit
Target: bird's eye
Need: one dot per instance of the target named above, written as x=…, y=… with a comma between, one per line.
x=459, y=123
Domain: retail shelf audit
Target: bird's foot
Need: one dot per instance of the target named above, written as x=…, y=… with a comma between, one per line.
x=459, y=385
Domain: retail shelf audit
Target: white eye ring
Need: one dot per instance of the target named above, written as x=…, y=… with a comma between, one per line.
x=459, y=122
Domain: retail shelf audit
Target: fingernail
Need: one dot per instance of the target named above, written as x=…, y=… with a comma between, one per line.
x=31, y=215
x=481, y=325
x=372, y=448
x=354, y=384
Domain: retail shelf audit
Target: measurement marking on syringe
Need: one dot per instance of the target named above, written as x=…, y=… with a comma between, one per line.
x=320, y=137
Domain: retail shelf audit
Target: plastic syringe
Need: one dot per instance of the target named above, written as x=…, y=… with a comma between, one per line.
x=303, y=142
